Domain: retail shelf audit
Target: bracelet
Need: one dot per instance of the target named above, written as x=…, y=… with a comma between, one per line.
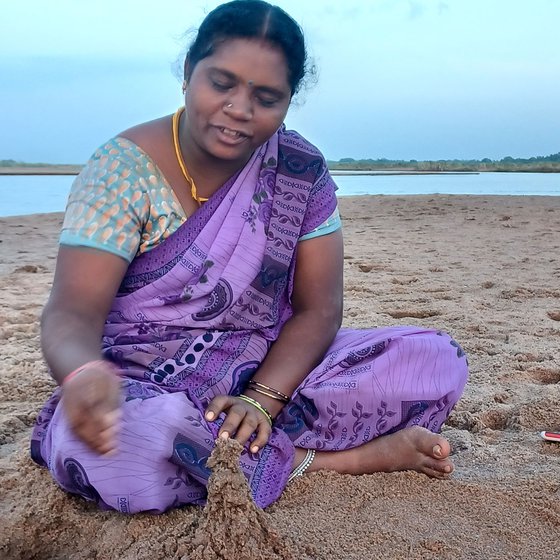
x=267, y=394
x=279, y=396
x=303, y=466
x=258, y=406
x=79, y=370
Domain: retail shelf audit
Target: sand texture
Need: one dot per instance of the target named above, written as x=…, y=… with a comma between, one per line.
x=485, y=269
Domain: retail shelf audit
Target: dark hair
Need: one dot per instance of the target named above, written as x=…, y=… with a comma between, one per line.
x=251, y=19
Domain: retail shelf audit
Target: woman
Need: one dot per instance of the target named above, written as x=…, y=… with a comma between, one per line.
x=198, y=294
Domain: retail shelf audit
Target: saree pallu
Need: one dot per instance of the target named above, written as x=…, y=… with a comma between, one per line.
x=195, y=317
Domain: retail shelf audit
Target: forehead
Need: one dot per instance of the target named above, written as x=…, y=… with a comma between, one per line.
x=253, y=60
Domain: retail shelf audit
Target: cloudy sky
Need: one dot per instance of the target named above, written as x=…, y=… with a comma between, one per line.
x=401, y=79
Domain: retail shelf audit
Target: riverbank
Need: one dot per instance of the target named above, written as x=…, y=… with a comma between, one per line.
x=41, y=170
x=75, y=170
x=483, y=268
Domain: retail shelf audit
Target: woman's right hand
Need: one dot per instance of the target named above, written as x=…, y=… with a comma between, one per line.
x=91, y=401
x=84, y=288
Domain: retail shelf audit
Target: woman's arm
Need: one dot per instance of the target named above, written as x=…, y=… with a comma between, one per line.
x=317, y=302
x=317, y=305
x=85, y=284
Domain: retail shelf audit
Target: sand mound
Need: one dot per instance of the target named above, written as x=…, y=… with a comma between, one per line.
x=232, y=526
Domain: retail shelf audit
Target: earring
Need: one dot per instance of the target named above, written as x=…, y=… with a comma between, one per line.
x=184, y=88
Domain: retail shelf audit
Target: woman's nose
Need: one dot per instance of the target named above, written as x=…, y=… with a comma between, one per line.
x=239, y=105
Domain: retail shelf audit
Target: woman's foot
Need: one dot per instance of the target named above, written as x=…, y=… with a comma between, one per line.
x=413, y=448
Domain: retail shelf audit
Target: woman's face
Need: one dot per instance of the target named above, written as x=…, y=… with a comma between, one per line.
x=236, y=99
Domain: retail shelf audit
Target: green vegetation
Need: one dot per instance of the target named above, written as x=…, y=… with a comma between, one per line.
x=14, y=163
x=12, y=167
x=539, y=164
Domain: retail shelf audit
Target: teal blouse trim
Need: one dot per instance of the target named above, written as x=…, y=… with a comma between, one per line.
x=332, y=223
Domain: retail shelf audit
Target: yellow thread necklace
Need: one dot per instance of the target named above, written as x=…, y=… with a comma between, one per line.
x=176, y=117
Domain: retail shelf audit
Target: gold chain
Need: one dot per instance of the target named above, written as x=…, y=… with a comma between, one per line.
x=176, y=117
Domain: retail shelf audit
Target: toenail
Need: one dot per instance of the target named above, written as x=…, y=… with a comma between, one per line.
x=437, y=450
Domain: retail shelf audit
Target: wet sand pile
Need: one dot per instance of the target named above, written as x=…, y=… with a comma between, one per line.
x=232, y=526
x=485, y=269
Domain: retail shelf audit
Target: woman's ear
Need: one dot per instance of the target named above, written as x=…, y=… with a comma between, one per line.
x=187, y=70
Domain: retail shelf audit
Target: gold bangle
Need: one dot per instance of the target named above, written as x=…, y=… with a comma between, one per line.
x=258, y=406
x=267, y=394
x=267, y=388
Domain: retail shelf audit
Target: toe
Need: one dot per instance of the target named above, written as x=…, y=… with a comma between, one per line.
x=435, y=473
x=441, y=449
x=431, y=444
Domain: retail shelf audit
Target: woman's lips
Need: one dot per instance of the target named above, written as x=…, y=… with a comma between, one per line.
x=230, y=135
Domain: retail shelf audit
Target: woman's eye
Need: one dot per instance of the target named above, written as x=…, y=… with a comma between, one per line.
x=221, y=86
x=265, y=102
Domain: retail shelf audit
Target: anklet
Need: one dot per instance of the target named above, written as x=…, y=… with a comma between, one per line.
x=304, y=465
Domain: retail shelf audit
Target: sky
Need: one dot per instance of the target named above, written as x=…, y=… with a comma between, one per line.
x=397, y=79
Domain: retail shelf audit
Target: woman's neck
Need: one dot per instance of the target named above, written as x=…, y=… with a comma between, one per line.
x=208, y=172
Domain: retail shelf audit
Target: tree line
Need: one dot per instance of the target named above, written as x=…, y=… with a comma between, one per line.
x=541, y=164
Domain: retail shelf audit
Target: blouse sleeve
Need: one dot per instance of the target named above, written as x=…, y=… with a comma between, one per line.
x=332, y=223
x=107, y=207
x=321, y=216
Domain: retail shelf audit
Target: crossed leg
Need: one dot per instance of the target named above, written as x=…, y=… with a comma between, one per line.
x=414, y=448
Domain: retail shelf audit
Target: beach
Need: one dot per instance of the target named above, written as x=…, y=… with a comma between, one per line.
x=486, y=269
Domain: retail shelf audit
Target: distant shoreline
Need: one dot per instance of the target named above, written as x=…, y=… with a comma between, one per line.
x=75, y=170
x=41, y=170
x=398, y=172
x=351, y=166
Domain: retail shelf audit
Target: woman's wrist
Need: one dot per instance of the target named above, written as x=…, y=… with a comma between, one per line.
x=92, y=363
x=273, y=406
x=268, y=391
x=258, y=406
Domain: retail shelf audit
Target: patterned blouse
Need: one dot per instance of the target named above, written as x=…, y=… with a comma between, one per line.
x=122, y=203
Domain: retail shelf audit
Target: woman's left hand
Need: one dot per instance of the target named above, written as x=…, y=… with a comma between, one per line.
x=242, y=421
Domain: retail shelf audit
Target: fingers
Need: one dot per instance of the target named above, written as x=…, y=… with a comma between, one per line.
x=246, y=429
x=263, y=435
x=104, y=429
x=243, y=425
x=91, y=403
x=98, y=428
x=236, y=415
x=218, y=405
x=242, y=421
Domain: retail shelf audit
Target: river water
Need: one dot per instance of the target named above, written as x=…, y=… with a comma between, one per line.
x=31, y=194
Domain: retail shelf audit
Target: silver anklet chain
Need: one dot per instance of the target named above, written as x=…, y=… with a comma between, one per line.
x=304, y=465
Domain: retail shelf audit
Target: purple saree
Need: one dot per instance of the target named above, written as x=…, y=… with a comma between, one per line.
x=195, y=317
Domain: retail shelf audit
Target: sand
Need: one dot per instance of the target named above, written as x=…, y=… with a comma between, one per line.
x=486, y=269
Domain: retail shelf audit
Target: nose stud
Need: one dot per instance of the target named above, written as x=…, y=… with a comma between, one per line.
x=229, y=105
